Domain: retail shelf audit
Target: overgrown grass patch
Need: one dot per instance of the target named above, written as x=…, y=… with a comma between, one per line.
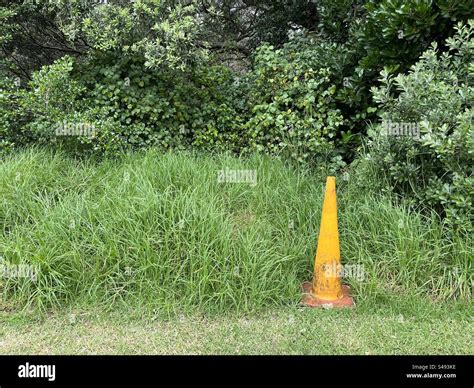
x=160, y=232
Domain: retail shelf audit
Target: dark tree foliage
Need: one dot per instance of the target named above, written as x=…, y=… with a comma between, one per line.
x=31, y=37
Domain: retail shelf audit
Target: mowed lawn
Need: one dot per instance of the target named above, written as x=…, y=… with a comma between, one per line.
x=400, y=326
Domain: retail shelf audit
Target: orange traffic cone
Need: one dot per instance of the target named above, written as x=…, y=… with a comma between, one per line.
x=326, y=289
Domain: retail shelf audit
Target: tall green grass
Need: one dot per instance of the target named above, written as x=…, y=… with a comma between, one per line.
x=159, y=231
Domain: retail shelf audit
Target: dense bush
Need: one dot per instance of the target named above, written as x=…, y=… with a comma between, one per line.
x=435, y=168
x=128, y=106
x=283, y=106
x=7, y=114
x=293, y=112
x=378, y=34
x=353, y=41
x=169, y=109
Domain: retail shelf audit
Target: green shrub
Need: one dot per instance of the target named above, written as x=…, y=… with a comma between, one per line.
x=53, y=98
x=293, y=113
x=8, y=98
x=128, y=106
x=435, y=168
x=169, y=109
x=384, y=34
